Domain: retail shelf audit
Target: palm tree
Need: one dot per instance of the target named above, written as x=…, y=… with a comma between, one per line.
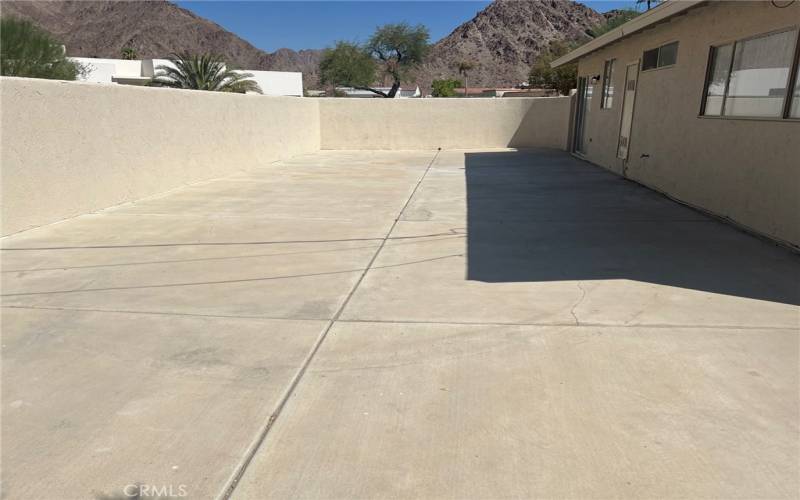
x=129, y=53
x=464, y=67
x=202, y=72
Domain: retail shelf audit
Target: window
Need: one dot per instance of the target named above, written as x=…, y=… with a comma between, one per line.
x=608, y=85
x=666, y=55
x=750, y=78
x=718, y=79
x=650, y=59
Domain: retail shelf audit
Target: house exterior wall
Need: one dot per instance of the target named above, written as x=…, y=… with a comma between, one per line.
x=747, y=170
x=71, y=148
x=444, y=123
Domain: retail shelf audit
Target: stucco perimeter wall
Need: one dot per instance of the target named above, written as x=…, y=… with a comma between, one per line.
x=744, y=169
x=446, y=123
x=70, y=148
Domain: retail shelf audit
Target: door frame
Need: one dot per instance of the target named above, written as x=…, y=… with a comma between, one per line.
x=635, y=63
x=580, y=112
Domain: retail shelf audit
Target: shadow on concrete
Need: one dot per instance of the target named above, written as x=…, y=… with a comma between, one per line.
x=539, y=215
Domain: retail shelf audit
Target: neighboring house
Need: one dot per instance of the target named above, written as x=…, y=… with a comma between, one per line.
x=410, y=92
x=127, y=72
x=288, y=83
x=505, y=92
x=502, y=92
x=700, y=100
x=530, y=92
x=124, y=71
x=475, y=91
x=401, y=93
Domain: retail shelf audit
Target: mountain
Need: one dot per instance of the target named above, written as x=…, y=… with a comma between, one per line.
x=504, y=39
x=155, y=29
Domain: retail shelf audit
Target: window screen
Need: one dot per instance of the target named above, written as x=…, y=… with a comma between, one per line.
x=718, y=79
x=608, y=85
x=667, y=54
x=751, y=78
x=759, y=75
x=650, y=59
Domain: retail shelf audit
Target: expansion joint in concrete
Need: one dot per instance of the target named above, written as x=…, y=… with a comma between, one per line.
x=239, y=472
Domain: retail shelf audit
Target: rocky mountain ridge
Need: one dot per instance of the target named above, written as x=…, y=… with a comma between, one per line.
x=503, y=40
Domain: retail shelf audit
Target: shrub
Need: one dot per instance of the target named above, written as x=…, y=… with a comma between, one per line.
x=445, y=88
x=28, y=51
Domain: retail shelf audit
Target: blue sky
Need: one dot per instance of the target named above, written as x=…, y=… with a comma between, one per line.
x=316, y=24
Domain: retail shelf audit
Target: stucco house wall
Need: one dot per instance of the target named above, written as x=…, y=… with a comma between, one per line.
x=747, y=170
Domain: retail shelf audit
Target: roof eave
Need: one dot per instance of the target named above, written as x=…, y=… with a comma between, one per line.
x=655, y=15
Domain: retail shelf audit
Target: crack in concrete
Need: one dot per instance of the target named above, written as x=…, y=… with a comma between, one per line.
x=576, y=304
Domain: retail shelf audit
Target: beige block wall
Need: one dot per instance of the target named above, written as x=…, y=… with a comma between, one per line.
x=746, y=170
x=71, y=148
x=444, y=123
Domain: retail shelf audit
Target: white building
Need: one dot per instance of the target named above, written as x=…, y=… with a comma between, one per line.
x=279, y=82
x=112, y=70
x=401, y=94
x=139, y=72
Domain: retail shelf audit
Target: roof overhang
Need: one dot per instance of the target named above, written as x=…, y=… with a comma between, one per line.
x=653, y=16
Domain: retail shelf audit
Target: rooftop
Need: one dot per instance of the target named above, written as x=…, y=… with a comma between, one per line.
x=658, y=14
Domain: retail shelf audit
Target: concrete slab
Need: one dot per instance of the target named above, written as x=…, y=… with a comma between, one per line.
x=539, y=237
x=566, y=273
x=263, y=278
x=248, y=245
x=294, y=192
x=469, y=411
x=532, y=326
x=93, y=402
x=533, y=186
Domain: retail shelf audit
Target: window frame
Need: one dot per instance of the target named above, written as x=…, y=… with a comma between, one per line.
x=790, y=83
x=608, y=77
x=658, y=56
x=794, y=82
x=677, y=45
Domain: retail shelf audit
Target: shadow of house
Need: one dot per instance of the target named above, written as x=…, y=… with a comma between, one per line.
x=539, y=215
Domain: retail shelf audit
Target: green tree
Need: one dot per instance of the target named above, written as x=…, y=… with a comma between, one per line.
x=445, y=88
x=464, y=67
x=393, y=48
x=349, y=65
x=563, y=79
x=621, y=17
x=129, y=53
x=26, y=50
x=202, y=72
x=399, y=48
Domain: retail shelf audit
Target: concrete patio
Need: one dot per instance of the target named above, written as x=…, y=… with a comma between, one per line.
x=352, y=324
